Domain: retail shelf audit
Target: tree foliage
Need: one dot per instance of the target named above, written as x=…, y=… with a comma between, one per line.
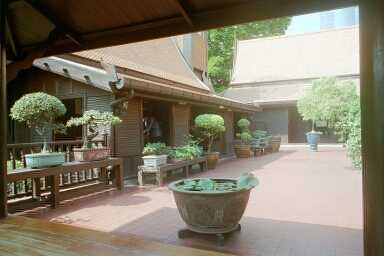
x=95, y=122
x=221, y=46
x=39, y=111
x=337, y=103
x=210, y=126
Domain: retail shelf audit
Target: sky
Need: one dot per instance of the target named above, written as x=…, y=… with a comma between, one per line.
x=315, y=21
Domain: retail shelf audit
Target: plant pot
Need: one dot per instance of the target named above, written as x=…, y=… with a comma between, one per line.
x=242, y=151
x=211, y=212
x=154, y=160
x=275, y=142
x=212, y=159
x=313, y=139
x=40, y=160
x=91, y=154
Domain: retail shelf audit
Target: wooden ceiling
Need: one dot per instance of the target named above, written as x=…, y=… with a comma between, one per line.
x=44, y=27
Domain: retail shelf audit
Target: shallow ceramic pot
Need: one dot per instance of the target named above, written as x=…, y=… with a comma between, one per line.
x=40, y=160
x=91, y=154
x=211, y=212
x=212, y=159
x=242, y=151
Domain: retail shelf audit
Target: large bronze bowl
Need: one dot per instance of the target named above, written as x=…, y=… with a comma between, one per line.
x=211, y=212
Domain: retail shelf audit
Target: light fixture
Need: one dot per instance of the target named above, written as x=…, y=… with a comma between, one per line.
x=221, y=107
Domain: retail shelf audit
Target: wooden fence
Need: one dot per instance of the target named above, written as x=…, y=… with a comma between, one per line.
x=24, y=190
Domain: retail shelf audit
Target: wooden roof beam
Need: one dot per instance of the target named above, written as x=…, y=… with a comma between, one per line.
x=181, y=5
x=203, y=20
x=71, y=35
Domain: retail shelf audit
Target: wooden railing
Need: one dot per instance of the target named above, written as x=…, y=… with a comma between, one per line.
x=26, y=189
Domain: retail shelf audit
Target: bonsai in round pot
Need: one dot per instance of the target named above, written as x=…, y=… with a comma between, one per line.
x=243, y=150
x=212, y=206
x=94, y=122
x=155, y=154
x=210, y=126
x=39, y=111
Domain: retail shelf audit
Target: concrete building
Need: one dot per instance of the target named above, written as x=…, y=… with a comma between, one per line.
x=274, y=72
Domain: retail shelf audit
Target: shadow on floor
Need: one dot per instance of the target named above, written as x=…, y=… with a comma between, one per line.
x=258, y=236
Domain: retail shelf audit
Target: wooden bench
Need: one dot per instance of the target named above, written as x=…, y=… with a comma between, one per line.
x=54, y=179
x=161, y=171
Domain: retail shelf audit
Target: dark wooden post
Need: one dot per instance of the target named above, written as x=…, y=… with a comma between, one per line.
x=3, y=113
x=372, y=105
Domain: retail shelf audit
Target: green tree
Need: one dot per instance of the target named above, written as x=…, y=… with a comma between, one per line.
x=221, y=46
x=39, y=111
x=337, y=103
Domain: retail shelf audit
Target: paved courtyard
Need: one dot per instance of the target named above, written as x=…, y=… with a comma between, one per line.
x=306, y=204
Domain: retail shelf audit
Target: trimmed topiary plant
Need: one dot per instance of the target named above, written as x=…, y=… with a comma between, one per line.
x=94, y=122
x=39, y=111
x=210, y=127
x=243, y=150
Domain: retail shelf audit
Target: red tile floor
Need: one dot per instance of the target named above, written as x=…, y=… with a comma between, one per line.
x=306, y=204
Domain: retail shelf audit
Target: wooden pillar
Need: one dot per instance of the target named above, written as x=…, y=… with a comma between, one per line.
x=372, y=115
x=3, y=113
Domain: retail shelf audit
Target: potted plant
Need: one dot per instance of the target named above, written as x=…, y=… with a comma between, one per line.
x=243, y=150
x=155, y=154
x=39, y=111
x=94, y=122
x=212, y=206
x=210, y=126
x=189, y=151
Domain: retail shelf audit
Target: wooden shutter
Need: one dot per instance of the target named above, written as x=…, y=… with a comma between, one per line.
x=129, y=137
x=180, y=123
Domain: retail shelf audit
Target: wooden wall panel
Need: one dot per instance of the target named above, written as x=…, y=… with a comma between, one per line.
x=180, y=119
x=128, y=140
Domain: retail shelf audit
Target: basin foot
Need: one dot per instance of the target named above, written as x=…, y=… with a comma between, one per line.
x=185, y=233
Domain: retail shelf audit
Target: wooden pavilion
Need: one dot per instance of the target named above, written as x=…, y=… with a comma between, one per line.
x=31, y=29
x=155, y=80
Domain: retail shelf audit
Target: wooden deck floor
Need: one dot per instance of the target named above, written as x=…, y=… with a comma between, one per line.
x=21, y=236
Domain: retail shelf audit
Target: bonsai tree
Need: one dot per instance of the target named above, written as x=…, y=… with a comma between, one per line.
x=210, y=126
x=94, y=121
x=245, y=134
x=39, y=111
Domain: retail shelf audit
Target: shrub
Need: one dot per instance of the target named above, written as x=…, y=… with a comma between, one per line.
x=94, y=121
x=245, y=137
x=210, y=126
x=157, y=148
x=39, y=111
x=243, y=124
x=245, y=134
x=187, y=152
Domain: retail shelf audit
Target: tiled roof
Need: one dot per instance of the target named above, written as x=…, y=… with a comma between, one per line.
x=268, y=93
x=311, y=55
x=160, y=58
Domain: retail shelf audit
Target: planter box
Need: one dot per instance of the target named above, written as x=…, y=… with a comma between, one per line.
x=155, y=160
x=90, y=154
x=47, y=159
